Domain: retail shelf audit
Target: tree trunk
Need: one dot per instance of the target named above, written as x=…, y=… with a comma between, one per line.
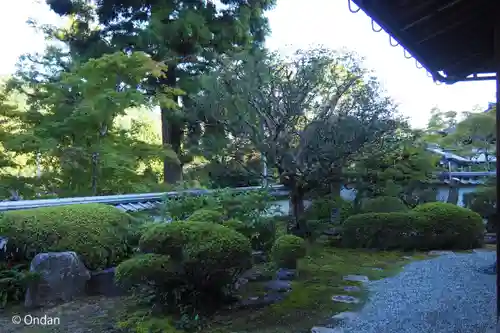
x=171, y=134
x=298, y=225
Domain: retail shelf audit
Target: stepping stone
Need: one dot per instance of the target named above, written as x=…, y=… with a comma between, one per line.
x=278, y=285
x=377, y=269
x=407, y=258
x=345, y=316
x=320, y=329
x=345, y=299
x=356, y=278
x=286, y=274
x=441, y=253
x=352, y=289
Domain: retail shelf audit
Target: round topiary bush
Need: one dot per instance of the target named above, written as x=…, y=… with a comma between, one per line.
x=97, y=233
x=205, y=249
x=287, y=250
x=383, y=204
x=453, y=226
x=156, y=268
x=387, y=231
x=206, y=215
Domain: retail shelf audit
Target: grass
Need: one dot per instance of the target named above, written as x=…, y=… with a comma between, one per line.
x=309, y=303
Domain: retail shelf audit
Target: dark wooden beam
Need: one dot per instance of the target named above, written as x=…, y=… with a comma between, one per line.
x=496, y=42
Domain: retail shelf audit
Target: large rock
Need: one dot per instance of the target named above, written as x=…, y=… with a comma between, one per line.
x=102, y=283
x=62, y=277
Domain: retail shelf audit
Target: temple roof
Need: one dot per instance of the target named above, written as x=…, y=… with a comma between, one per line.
x=452, y=39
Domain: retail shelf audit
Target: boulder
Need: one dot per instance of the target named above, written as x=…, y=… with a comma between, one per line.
x=102, y=283
x=286, y=274
x=63, y=276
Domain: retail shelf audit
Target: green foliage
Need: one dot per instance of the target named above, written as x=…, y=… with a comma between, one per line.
x=388, y=231
x=454, y=226
x=383, y=204
x=483, y=202
x=287, y=250
x=190, y=266
x=13, y=283
x=321, y=208
x=247, y=207
x=429, y=226
x=206, y=215
x=142, y=321
x=97, y=233
x=239, y=227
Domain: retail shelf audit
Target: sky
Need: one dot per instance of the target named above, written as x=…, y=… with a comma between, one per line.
x=297, y=25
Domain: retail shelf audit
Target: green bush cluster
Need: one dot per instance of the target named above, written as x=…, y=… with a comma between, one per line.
x=193, y=265
x=383, y=204
x=206, y=215
x=98, y=233
x=287, y=250
x=483, y=202
x=223, y=206
x=321, y=208
x=434, y=225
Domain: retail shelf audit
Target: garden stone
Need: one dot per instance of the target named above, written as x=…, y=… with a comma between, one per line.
x=356, y=278
x=103, y=283
x=278, y=285
x=259, y=257
x=377, y=269
x=440, y=253
x=255, y=274
x=345, y=299
x=352, y=289
x=490, y=239
x=319, y=329
x=407, y=258
x=286, y=274
x=63, y=276
x=260, y=302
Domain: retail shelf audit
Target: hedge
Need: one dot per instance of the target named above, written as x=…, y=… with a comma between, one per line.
x=385, y=231
x=453, y=226
x=429, y=226
x=97, y=233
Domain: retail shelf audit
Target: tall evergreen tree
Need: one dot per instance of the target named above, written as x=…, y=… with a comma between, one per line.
x=185, y=35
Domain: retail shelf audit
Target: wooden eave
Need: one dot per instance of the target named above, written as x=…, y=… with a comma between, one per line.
x=452, y=39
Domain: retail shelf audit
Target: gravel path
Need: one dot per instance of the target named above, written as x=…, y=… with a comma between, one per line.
x=446, y=294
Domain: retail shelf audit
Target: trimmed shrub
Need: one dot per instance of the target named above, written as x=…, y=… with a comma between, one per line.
x=156, y=268
x=209, y=256
x=387, y=231
x=97, y=233
x=206, y=215
x=383, y=204
x=261, y=233
x=453, y=226
x=287, y=250
x=321, y=208
x=430, y=226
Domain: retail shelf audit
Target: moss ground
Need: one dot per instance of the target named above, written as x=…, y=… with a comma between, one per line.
x=309, y=303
